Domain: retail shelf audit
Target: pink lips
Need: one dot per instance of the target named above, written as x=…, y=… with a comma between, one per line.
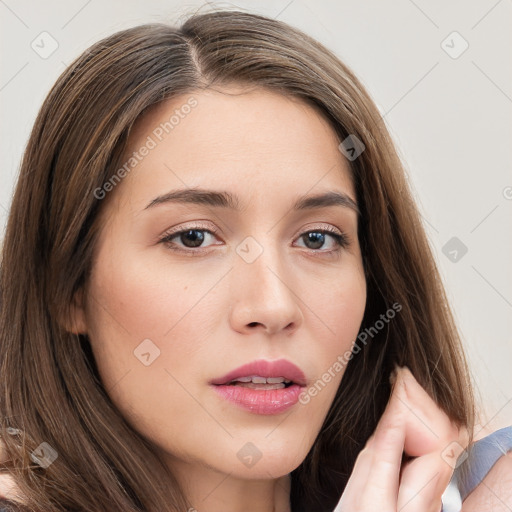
x=263, y=368
x=262, y=401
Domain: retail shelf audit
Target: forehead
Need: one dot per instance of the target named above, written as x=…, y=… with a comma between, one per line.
x=253, y=142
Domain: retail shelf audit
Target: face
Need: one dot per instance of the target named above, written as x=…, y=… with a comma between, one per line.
x=168, y=312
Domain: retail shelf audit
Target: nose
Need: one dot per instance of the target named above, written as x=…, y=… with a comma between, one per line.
x=263, y=298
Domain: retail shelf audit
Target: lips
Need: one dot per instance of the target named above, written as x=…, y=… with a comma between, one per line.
x=263, y=368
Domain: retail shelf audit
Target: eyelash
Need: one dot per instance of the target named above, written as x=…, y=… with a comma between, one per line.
x=341, y=239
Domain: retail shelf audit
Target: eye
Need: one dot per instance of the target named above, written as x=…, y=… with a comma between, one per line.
x=316, y=239
x=193, y=238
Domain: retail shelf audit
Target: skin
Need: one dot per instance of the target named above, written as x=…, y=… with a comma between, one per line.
x=495, y=491
x=214, y=312
x=413, y=423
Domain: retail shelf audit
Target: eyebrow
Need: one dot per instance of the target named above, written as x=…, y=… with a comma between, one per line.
x=224, y=199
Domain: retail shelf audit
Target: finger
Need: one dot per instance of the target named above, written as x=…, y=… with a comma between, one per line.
x=428, y=426
x=422, y=484
x=375, y=475
x=357, y=481
x=412, y=422
x=429, y=431
x=386, y=447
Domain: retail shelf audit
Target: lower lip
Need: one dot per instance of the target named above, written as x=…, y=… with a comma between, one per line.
x=261, y=401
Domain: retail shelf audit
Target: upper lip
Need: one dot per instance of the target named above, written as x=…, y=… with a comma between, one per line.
x=263, y=368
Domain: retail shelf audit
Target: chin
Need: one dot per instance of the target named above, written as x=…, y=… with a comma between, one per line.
x=262, y=460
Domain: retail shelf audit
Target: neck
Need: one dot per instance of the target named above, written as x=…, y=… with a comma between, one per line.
x=208, y=490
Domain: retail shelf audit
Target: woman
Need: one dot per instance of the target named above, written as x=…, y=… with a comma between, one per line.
x=211, y=268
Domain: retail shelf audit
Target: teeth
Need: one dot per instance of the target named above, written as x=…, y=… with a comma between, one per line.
x=266, y=387
x=243, y=379
x=256, y=379
x=275, y=380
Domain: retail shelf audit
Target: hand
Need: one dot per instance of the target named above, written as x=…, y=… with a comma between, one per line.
x=412, y=422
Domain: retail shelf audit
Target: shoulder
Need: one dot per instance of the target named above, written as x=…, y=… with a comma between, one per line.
x=8, y=488
x=495, y=491
x=487, y=481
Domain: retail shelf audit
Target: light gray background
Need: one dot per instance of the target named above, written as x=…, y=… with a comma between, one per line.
x=449, y=114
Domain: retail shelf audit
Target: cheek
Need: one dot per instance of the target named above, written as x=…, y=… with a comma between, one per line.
x=338, y=305
x=337, y=312
x=141, y=307
x=144, y=334
x=137, y=298
x=145, y=319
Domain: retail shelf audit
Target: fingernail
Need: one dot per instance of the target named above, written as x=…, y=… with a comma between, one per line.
x=407, y=374
x=393, y=374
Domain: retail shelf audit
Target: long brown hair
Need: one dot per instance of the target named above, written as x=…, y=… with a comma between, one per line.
x=50, y=388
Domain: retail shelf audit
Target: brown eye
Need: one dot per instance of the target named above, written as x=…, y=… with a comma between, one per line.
x=192, y=241
x=189, y=238
x=316, y=239
x=192, y=237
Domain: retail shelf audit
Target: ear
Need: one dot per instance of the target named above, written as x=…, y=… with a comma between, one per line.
x=76, y=323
